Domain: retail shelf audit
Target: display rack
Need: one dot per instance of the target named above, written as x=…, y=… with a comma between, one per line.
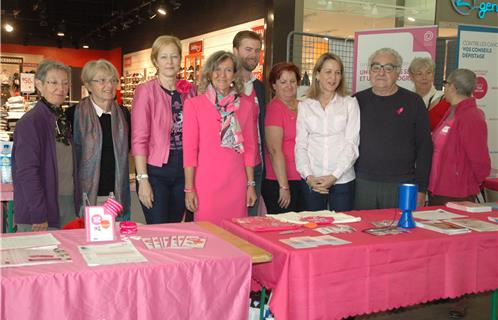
x=192, y=67
x=128, y=84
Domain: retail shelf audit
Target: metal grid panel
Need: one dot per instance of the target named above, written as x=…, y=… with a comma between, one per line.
x=303, y=49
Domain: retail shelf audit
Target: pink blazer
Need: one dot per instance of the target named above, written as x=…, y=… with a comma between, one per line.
x=151, y=120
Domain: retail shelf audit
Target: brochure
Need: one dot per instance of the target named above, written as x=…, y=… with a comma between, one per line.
x=340, y=228
x=33, y=256
x=438, y=214
x=111, y=253
x=469, y=206
x=175, y=242
x=384, y=231
x=476, y=225
x=322, y=217
x=446, y=227
x=28, y=241
x=313, y=242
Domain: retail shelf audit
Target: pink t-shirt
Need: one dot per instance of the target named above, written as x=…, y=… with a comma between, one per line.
x=279, y=115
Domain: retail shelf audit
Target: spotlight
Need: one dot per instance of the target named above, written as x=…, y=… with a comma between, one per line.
x=412, y=19
x=85, y=46
x=8, y=27
x=61, y=29
x=161, y=8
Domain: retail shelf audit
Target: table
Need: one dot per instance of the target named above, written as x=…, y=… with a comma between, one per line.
x=373, y=273
x=209, y=283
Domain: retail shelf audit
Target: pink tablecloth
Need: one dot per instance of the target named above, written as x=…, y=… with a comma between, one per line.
x=210, y=283
x=491, y=183
x=373, y=273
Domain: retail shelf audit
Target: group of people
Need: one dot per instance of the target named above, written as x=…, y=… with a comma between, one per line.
x=216, y=149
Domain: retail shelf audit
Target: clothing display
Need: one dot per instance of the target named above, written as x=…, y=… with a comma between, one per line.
x=220, y=173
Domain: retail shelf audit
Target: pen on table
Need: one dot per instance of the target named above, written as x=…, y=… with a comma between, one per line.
x=291, y=231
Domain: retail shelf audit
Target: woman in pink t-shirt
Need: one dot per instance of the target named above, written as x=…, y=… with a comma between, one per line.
x=282, y=189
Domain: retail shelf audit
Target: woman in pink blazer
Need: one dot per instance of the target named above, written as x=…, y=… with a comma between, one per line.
x=220, y=144
x=157, y=129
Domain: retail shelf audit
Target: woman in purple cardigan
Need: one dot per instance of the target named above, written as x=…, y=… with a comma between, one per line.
x=157, y=142
x=43, y=156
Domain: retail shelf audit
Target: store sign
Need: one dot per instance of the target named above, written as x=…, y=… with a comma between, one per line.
x=195, y=47
x=11, y=60
x=465, y=8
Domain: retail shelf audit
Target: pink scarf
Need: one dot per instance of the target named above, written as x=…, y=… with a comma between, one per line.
x=230, y=132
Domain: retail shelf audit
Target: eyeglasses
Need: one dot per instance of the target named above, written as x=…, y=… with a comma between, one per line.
x=101, y=82
x=388, y=68
x=54, y=84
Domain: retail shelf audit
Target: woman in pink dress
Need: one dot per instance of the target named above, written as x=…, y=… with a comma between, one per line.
x=219, y=144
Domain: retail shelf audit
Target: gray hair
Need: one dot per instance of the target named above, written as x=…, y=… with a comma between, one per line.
x=214, y=61
x=92, y=67
x=47, y=65
x=392, y=52
x=463, y=80
x=420, y=63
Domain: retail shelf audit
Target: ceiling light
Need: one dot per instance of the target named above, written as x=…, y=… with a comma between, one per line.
x=8, y=27
x=161, y=8
x=61, y=29
x=85, y=46
x=412, y=19
x=329, y=5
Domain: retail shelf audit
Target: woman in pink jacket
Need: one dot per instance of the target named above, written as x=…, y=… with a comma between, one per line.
x=157, y=128
x=460, y=161
x=220, y=143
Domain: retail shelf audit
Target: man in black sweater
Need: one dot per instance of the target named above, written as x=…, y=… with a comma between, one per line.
x=395, y=139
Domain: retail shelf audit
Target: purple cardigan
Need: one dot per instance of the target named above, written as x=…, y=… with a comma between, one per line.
x=34, y=168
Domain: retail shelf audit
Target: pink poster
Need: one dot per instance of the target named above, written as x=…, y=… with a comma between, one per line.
x=409, y=42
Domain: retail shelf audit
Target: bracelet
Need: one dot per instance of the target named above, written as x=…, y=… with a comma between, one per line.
x=140, y=177
x=189, y=190
x=284, y=187
x=251, y=183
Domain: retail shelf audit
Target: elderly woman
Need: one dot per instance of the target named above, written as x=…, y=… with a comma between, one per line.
x=44, y=185
x=460, y=161
x=327, y=137
x=220, y=143
x=283, y=189
x=101, y=130
x=157, y=135
x=421, y=73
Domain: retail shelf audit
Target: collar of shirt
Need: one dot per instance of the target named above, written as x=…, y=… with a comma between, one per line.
x=98, y=109
x=249, y=86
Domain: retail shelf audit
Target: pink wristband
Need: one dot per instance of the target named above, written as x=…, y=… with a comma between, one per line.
x=189, y=190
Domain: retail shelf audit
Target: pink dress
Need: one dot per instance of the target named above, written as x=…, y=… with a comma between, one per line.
x=220, y=174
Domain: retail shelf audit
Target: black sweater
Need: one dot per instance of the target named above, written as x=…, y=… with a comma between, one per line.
x=395, y=138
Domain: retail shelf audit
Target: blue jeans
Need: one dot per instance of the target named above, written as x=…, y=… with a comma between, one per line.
x=339, y=198
x=167, y=184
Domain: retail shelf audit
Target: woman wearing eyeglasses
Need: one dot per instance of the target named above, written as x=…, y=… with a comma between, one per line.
x=101, y=131
x=44, y=180
x=157, y=136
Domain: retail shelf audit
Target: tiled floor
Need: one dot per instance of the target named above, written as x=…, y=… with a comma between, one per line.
x=479, y=308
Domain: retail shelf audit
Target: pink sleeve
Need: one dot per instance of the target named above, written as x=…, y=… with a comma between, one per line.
x=140, y=122
x=274, y=115
x=250, y=133
x=190, y=134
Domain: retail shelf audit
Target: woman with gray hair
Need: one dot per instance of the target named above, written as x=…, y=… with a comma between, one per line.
x=421, y=73
x=44, y=184
x=219, y=143
x=101, y=131
x=460, y=161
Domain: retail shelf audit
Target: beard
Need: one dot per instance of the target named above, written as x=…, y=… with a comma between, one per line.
x=249, y=64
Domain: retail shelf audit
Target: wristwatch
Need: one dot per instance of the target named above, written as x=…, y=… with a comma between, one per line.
x=140, y=177
x=251, y=183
